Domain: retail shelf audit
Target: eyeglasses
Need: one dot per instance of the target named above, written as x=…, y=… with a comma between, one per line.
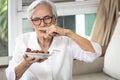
x=37, y=21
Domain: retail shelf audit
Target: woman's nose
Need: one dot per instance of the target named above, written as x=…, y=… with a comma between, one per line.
x=42, y=23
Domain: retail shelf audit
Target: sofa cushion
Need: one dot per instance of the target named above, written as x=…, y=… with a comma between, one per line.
x=112, y=56
x=81, y=67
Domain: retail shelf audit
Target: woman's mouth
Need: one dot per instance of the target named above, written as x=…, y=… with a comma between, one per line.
x=43, y=31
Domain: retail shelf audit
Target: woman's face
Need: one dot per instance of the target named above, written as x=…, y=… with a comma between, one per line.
x=42, y=17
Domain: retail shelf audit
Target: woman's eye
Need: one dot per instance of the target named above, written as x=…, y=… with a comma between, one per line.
x=36, y=19
x=47, y=17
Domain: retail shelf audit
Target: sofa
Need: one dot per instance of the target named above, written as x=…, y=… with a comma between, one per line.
x=103, y=68
x=90, y=71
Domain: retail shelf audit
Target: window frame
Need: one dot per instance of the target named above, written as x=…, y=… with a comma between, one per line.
x=16, y=12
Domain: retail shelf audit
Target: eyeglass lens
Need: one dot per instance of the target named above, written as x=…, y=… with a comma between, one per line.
x=37, y=21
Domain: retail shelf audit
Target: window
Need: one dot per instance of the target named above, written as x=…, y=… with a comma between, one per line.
x=81, y=24
x=28, y=2
x=3, y=28
x=73, y=12
x=63, y=21
x=84, y=24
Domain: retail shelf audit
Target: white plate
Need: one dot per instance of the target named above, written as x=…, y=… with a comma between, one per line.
x=39, y=55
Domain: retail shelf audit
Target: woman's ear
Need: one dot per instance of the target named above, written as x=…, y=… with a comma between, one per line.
x=54, y=21
x=32, y=25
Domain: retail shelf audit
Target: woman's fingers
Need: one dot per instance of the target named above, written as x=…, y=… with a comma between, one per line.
x=41, y=60
x=52, y=31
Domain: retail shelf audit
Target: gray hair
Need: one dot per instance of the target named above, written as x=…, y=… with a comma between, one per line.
x=38, y=2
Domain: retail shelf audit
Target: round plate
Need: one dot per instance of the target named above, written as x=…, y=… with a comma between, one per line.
x=39, y=55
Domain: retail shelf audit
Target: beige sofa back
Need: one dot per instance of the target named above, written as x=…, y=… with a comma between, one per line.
x=80, y=67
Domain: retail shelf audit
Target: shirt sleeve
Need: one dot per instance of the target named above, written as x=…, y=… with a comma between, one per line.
x=17, y=57
x=10, y=72
x=83, y=55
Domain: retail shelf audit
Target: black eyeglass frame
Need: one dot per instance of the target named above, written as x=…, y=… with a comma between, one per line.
x=39, y=20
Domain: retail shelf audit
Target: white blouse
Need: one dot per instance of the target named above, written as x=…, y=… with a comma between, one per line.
x=58, y=66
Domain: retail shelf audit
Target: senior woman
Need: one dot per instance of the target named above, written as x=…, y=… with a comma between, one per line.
x=48, y=37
